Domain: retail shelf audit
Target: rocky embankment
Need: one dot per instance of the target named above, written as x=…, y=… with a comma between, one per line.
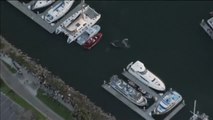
x=84, y=109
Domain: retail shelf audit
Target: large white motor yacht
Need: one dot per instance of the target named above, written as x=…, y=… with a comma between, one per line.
x=138, y=70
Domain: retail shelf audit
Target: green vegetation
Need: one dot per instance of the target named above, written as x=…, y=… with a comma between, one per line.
x=2, y=45
x=9, y=67
x=12, y=95
x=55, y=105
x=20, y=59
x=84, y=109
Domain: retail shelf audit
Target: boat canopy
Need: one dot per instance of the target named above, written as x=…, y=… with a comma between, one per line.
x=77, y=25
x=138, y=66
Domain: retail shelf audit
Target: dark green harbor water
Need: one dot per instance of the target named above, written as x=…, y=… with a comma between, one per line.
x=166, y=36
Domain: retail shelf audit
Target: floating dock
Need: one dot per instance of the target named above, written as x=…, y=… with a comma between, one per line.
x=207, y=28
x=127, y=102
x=148, y=112
x=175, y=111
x=36, y=17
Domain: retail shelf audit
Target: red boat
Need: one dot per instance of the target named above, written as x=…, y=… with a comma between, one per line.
x=93, y=41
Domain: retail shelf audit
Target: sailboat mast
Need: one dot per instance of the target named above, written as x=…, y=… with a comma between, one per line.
x=195, y=103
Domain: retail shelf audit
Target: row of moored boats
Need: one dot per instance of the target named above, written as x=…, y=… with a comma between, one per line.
x=79, y=27
x=138, y=70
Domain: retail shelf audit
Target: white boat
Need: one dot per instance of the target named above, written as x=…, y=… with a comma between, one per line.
x=210, y=22
x=196, y=114
x=127, y=91
x=80, y=25
x=90, y=32
x=206, y=27
x=138, y=70
x=58, y=11
x=168, y=103
x=79, y=22
x=42, y=3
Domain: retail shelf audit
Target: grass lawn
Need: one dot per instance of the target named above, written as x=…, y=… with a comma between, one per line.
x=12, y=95
x=55, y=105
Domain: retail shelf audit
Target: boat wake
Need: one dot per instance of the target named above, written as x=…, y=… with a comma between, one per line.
x=121, y=43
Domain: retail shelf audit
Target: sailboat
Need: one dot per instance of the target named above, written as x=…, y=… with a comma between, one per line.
x=59, y=10
x=42, y=3
x=197, y=115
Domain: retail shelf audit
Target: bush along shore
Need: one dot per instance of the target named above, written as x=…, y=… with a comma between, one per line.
x=84, y=109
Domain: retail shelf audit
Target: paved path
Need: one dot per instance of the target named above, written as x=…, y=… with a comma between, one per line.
x=12, y=81
x=30, y=82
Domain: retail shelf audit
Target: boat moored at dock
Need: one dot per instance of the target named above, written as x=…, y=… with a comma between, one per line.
x=138, y=70
x=207, y=26
x=168, y=102
x=196, y=114
x=90, y=32
x=93, y=41
x=42, y=3
x=158, y=103
x=77, y=24
x=58, y=11
x=210, y=22
x=127, y=91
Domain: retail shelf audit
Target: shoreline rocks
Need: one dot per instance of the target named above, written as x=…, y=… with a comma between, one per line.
x=84, y=109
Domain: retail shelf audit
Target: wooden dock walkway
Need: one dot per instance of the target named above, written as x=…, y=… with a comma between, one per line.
x=135, y=108
x=175, y=111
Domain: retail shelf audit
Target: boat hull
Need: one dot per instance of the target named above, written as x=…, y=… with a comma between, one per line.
x=168, y=103
x=93, y=41
x=58, y=11
x=147, y=78
x=90, y=32
x=141, y=99
x=42, y=3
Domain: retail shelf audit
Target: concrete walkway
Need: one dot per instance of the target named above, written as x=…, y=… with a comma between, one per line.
x=12, y=81
x=30, y=82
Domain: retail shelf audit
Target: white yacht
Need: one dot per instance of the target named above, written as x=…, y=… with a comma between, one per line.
x=168, y=103
x=58, y=11
x=42, y=3
x=90, y=32
x=210, y=22
x=138, y=70
x=127, y=91
x=207, y=26
x=81, y=24
x=78, y=23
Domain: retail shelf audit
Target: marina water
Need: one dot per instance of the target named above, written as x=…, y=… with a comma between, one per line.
x=166, y=36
